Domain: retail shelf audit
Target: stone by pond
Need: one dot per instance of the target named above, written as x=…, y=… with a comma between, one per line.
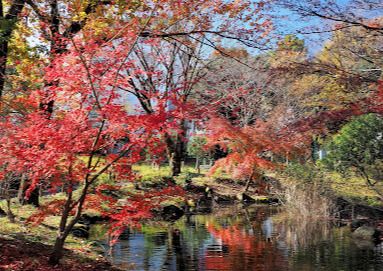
x=239, y=238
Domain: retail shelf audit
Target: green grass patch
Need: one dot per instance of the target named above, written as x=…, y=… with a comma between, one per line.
x=353, y=188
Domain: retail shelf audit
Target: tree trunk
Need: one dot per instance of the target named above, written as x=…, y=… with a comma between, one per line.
x=197, y=165
x=179, y=153
x=3, y=64
x=247, y=186
x=34, y=197
x=20, y=193
x=58, y=248
x=175, y=165
x=176, y=150
x=287, y=158
x=10, y=215
x=64, y=229
x=9, y=21
x=369, y=183
x=177, y=156
x=249, y=180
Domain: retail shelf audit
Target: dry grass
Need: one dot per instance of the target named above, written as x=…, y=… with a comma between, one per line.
x=307, y=201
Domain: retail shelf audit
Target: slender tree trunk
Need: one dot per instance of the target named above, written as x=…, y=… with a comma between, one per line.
x=10, y=215
x=57, y=253
x=63, y=231
x=249, y=180
x=247, y=186
x=197, y=165
x=287, y=158
x=369, y=183
x=66, y=227
x=20, y=193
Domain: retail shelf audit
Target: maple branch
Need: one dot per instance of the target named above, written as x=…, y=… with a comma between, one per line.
x=132, y=47
x=334, y=13
x=211, y=44
x=106, y=167
x=322, y=31
x=84, y=191
x=88, y=74
x=142, y=98
x=222, y=34
x=344, y=20
x=40, y=14
x=74, y=26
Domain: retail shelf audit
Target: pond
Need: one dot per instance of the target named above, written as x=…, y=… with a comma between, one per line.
x=239, y=239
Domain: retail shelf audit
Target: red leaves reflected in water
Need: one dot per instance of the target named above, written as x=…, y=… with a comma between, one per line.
x=139, y=207
x=242, y=250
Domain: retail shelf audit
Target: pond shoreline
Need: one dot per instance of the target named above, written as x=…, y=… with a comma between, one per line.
x=200, y=198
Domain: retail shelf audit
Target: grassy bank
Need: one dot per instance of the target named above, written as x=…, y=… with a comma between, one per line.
x=27, y=247
x=19, y=253
x=309, y=190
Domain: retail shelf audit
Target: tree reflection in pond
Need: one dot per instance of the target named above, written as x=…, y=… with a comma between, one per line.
x=256, y=238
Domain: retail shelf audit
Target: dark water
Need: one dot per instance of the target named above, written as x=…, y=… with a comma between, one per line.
x=257, y=238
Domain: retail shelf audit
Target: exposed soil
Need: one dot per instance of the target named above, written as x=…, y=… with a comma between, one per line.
x=227, y=188
x=22, y=255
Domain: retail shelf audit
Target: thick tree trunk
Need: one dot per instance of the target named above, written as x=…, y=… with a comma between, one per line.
x=34, y=197
x=176, y=165
x=23, y=187
x=3, y=62
x=177, y=155
x=8, y=21
x=176, y=150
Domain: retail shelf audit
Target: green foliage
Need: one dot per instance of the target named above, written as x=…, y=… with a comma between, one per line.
x=150, y=174
x=6, y=26
x=196, y=147
x=352, y=188
x=304, y=173
x=358, y=145
x=292, y=43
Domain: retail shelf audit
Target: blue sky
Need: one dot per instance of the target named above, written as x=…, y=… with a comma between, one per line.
x=289, y=22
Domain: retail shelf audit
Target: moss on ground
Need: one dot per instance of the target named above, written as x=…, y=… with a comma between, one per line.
x=353, y=188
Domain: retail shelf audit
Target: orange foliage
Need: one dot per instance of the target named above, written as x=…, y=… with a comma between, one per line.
x=249, y=147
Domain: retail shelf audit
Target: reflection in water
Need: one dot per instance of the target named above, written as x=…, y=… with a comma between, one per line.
x=256, y=238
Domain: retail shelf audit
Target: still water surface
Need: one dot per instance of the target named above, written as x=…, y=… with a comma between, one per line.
x=239, y=239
